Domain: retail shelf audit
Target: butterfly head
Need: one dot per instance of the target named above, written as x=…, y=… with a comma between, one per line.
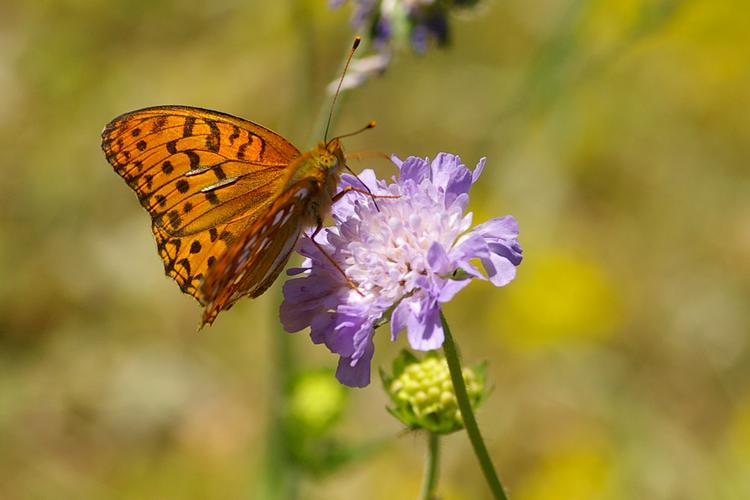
x=330, y=156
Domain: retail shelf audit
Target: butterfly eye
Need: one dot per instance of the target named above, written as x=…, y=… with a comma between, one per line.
x=328, y=161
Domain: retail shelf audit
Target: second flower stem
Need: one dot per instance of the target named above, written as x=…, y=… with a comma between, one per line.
x=432, y=464
x=472, y=429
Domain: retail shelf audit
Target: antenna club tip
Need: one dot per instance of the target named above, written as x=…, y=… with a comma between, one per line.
x=357, y=39
x=372, y=124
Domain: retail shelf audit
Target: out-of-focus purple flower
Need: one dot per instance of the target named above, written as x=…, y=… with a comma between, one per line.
x=407, y=255
x=389, y=25
x=363, y=9
x=403, y=22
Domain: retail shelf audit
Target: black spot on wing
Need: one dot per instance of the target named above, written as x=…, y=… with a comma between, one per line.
x=219, y=172
x=169, y=265
x=243, y=147
x=159, y=123
x=194, y=159
x=213, y=140
x=186, y=264
x=174, y=219
x=187, y=129
x=235, y=134
x=212, y=198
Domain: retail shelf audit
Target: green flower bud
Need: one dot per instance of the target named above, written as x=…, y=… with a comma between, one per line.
x=422, y=392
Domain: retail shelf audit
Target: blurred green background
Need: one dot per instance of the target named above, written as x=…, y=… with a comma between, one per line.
x=617, y=133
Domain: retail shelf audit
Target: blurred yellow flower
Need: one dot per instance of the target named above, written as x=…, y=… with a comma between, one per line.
x=557, y=297
x=580, y=471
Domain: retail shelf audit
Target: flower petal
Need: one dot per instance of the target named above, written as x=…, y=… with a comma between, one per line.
x=451, y=175
x=356, y=372
x=344, y=208
x=322, y=328
x=424, y=330
x=399, y=319
x=450, y=288
x=294, y=271
x=499, y=270
x=294, y=320
x=303, y=298
x=478, y=170
x=470, y=246
x=367, y=176
x=438, y=259
x=414, y=169
x=505, y=227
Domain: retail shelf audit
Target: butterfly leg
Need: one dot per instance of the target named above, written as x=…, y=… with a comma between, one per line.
x=335, y=264
x=369, y=192
x=349, y=189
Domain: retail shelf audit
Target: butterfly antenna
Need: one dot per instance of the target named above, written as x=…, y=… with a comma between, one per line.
x=357, y=39
x=370, y=125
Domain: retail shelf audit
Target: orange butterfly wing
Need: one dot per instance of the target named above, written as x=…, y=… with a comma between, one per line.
x=205, y=177
x=254, y=260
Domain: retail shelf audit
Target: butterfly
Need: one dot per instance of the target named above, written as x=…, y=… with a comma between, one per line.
x=228, y=198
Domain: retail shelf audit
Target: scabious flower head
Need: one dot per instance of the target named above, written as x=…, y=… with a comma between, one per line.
x=406, y=255
x=422, y=393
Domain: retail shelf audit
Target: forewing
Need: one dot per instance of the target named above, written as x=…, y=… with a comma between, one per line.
x=203, y=176
x=253, y=262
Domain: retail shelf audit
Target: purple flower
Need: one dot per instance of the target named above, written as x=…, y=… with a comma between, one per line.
x=362, y=11
x=403, y=21
x=407, y=256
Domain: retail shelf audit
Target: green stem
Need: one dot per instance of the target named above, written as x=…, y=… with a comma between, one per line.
x=470, y=422
x=431, y=467
x=281, y=477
